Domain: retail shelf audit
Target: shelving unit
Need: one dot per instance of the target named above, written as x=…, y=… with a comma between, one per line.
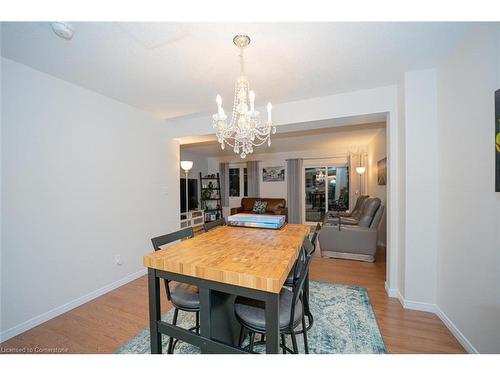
x=192, y=218
x=211, y=205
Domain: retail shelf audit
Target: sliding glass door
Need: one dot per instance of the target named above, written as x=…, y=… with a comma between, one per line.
x=315, y=194
x=326, y=189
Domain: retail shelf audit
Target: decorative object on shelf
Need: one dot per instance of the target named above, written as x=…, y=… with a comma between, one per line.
x=382, y=172
x=210, y=197
x=497, y=140
x=245, y=129
x=187, y=165
x=273, y=174
x=210, y=176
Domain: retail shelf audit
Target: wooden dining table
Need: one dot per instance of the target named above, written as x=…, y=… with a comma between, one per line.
x=224, y=263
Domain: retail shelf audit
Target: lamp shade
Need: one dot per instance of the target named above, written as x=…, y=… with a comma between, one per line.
x=360, y=170
x=186, y=165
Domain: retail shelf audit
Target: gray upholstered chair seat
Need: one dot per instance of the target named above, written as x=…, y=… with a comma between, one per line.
x=252, y=312
x=184, y=296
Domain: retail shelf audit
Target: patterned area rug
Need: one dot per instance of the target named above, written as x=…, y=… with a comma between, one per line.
x=344, y=322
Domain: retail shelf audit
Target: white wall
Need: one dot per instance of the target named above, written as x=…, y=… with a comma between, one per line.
x=401, y=200
x=377, y=151
x=84, y=178
x=468, y=261
x=421, y=171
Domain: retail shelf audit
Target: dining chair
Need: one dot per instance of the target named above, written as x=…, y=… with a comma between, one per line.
x=184, y=297
x=314, y=237
x=310, y=252
x=214, y=224
x=251, y=313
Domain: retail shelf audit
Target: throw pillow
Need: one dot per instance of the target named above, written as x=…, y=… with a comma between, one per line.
x=259, y=207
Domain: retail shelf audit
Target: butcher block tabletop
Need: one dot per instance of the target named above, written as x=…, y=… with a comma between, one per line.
x=247, y=257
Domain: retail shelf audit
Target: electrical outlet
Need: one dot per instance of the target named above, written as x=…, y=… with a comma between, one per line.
x=118, y=260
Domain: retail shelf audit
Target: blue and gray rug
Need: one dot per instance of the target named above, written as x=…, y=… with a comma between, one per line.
x=344, y=322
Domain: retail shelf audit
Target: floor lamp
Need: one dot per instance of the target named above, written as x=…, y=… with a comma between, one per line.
x=187, y=165
x=360, y=170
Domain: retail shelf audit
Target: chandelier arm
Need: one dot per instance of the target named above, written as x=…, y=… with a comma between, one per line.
x=263, y=139
x=228, y=143
x=262, y=134
x=261, y=143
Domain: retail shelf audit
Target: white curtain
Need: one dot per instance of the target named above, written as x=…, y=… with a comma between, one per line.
x=253, y=178
x=295, y=195
x=224, y=183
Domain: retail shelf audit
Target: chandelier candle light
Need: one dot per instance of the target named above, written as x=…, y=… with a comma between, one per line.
x=245, y=129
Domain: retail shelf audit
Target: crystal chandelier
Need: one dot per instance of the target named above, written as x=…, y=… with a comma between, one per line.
x=245, y=129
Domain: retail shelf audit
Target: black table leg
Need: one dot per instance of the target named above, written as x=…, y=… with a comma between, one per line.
x=272, y=323
x=205, y=315
x=154, y=311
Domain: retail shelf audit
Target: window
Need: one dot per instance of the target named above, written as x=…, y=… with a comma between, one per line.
x=238, y=182
x=245, y=183
x=234, y=182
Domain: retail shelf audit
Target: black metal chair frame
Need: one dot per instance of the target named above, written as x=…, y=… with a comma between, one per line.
x=298, y=293
x=214, y=224
x=310, y=251
x=158, y=242
x=314, y=240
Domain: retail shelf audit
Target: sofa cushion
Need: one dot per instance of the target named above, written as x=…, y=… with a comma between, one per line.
x=370, y=206
x=259, y=207
x=248, y=203
x=356, y=212
x=274, y=204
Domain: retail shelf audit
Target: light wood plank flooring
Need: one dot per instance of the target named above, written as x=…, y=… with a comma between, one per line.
x=108, y=322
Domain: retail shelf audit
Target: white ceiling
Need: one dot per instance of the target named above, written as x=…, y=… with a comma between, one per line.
x=176, y=69
x=322, y=139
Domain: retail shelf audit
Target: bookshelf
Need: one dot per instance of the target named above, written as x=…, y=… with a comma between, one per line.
x=211, y=202
x=192, y=218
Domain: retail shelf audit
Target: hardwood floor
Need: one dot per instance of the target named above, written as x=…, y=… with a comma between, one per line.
x=108, y=322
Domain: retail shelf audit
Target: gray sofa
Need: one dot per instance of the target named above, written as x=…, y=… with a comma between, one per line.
x=357, y=239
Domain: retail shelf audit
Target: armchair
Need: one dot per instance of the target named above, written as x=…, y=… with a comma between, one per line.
x=357, y=242
x=352, y=217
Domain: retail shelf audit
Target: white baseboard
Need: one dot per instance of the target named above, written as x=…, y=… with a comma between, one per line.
x=393, y=293
x=419, y=306
x=456, y=332
x=433, y=308
x=42, y=318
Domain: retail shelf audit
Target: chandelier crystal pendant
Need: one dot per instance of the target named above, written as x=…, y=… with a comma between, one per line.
x=245, y=130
